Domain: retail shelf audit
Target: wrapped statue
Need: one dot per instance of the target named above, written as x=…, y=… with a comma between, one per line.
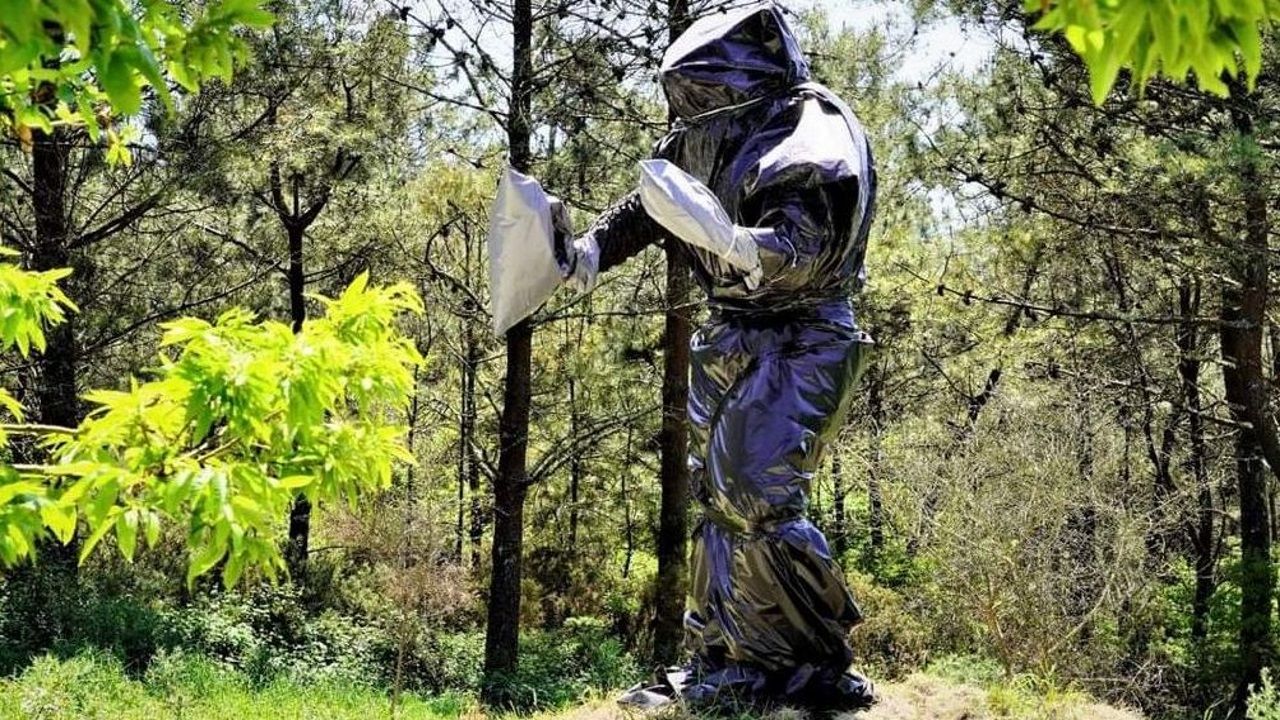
x=766, y=179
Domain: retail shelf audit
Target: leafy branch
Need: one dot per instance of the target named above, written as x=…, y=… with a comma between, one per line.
x=240, y=416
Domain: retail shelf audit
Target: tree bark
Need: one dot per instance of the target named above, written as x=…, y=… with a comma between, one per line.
x=57, y=368
x=56, y=395
x=575, y=465
x=629, y=528
x=673, y=525
x=300, y=512
x=875, y=496
x=1200, y=531
x=1243, y=315
x=469, y=424
x=464, y=440
x=502, y=632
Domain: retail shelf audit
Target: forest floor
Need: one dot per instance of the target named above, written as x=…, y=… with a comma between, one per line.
x=921, y=697
x=86, y=687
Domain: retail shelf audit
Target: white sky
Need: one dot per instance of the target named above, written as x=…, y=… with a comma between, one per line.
x=941, y=43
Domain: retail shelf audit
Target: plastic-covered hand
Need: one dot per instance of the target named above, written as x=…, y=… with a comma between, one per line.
x=578, y=258
x=586, y=264
x=690, y=211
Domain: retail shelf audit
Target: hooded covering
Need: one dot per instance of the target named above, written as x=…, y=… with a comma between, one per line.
x=786, y=157
x=731, y=58
x=774, y=367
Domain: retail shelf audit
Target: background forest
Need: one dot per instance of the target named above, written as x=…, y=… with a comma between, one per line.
x=1059, y=479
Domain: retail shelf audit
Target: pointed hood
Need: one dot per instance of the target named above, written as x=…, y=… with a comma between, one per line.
x=732, y=57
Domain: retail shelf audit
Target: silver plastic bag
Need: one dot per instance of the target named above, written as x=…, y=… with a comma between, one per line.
x=523, y=271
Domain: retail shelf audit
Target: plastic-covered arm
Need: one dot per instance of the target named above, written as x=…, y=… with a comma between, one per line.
x=619, y=233
x=793, y=227
x=790, y=226
x=688, y=209
x=623, y=231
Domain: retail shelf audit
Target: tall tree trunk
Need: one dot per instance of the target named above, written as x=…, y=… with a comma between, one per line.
x=1200, y=530
x=469, y=423
x=502, y=632
x=57, y=367
x=467, y=429
x=300, y=512
x=466, y=414
x=1164, y=538
x=56, y=394
x=1256, y=583
x=875, y=496
x=575, y=466
x=630, y=531
x=673, y=523
x=464, y=440
x=839, y=526
x=1243, y=314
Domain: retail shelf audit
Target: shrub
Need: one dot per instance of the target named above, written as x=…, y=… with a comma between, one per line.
x=445, y=662
x=1264, y=700
x=966, y=669
x=892, y=640
x=54, y=688
x=35, y=620
x=267, y=634
x=185, y=685
x=562, y=666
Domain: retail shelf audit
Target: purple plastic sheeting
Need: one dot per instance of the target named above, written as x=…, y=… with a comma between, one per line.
x=775, y=365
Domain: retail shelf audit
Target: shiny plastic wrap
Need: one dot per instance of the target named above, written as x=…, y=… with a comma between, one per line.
x=775, y=365
x=523, y=271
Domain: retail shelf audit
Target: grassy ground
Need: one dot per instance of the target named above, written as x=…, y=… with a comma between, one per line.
x=93, y=688
x=920, y=697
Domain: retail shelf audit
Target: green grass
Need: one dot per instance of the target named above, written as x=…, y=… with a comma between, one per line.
x=93, y=687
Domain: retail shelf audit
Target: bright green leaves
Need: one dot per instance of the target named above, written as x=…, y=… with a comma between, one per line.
x=1166, y=37
x=28, y=302
x=66, y=61
x=240, y=416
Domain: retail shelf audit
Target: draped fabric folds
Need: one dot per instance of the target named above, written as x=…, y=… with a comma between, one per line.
x=775, y=365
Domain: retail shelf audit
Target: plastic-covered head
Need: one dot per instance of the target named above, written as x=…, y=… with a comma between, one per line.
x=732, y=57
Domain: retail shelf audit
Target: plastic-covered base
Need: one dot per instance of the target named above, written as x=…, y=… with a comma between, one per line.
x=735, y=687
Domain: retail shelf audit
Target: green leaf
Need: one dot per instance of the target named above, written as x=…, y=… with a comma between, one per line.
x=232, y=571
x=127, y=533
x=151, y=526
x=61, y=519
x=1102, y=76
x=205, y=557
x=1250, y=42
x=94, y=538
x=11, y=404
x=293, y=482
x=118, y=82
x=11, y=490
